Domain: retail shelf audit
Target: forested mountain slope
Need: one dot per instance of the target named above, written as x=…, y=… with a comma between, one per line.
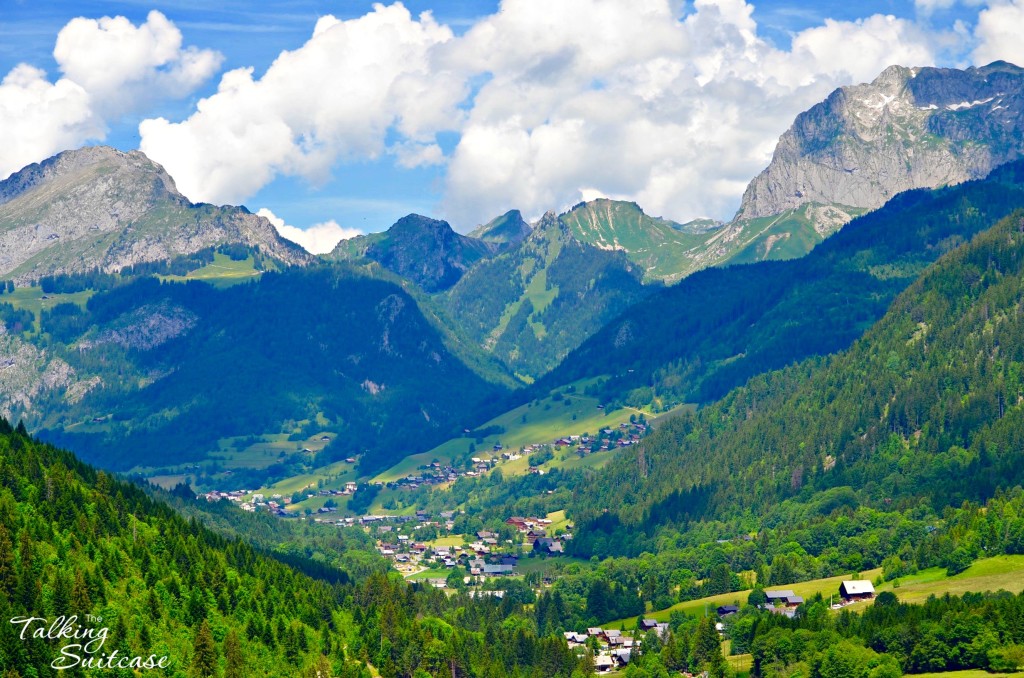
x=175, y=367
x=426, y=251
x=712, y=331
x=74, y=541
x=928, y=406
x=532, y=304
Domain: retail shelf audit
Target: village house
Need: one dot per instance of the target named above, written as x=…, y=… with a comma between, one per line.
x=851, y=591
x=785, y=598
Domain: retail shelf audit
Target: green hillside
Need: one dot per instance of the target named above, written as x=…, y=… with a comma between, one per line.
x=75, y=541
x=343, y=353
x=923, y=408
x=507, y=230
x=694, y=341
x=661, y=247
x=532, y=304
x=426, y=251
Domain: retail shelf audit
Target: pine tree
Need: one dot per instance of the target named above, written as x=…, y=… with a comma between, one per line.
x=81, y=603
x=61, y=594
x=27, y=593
x=234, y=661
x=707, y=646
x=204, y=655
x=8, y=576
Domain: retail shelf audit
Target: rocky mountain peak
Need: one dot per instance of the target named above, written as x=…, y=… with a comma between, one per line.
x=507, y=230
x=909, y=128
x=98, y=207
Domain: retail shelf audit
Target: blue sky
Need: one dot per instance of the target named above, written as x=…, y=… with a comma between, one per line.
x=487, y=153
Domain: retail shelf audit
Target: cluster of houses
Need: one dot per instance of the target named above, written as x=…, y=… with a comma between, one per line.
x=615, y=648
x=627, y=433
x=476, y=558
x=785, y=602
x=436, y=473
x=275, y=504
x=535, y=535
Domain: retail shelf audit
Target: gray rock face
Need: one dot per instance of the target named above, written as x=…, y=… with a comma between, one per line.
x=99, y=207
x=910, y=128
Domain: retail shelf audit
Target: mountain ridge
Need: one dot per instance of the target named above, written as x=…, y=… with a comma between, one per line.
x=99, y=208
x=908, y=128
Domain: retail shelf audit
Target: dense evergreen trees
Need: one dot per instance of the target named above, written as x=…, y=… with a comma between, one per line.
x=698, y=339
x=925, y=407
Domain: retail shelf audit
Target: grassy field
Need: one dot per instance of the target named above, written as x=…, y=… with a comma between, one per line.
x=243, y=453
x=971, y=673
x=542, y=421
x=806, y=589
x=33, y=299
x=439, y=573
x=989, y=574
x=558, y=522
x=223, y=272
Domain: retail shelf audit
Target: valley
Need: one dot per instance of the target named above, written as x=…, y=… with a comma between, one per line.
x=601, y=442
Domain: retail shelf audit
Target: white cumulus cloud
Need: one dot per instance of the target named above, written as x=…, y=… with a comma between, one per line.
x=630, y=100
x=998, y=33
x=317, y=239
x=674, y=105
x=334, y=98
x=110, y=68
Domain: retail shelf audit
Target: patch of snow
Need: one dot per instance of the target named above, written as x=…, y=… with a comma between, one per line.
x=964, y=104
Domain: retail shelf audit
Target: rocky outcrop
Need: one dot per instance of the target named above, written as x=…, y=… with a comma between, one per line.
x=423, y=250
x=97, y=207
x=910, y=128
x=507, y=230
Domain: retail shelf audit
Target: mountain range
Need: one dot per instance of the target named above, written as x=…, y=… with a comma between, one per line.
x=592, y=292
x=842, y=367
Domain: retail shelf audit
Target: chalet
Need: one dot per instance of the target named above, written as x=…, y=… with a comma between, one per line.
x=648, y=624
x=575, y=639
x=785, y=598
x=595, y=631
x=499, y=570
x=438, y=583
x=726, y=610
x=483, y=534
x=545, y=545
x=856, y=590
x=603, y=663
x=609, y=634
x=622, y=657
